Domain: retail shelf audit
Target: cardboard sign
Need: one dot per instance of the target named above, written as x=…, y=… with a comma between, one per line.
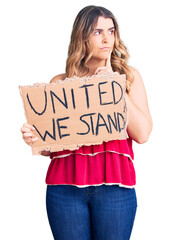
x=76, y=111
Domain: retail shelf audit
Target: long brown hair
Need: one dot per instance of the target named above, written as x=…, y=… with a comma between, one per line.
x=79, y=53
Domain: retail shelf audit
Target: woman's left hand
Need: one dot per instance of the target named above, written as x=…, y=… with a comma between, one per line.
x=107, y=68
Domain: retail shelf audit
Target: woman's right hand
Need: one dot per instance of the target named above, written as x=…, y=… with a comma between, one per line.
x=27, y=132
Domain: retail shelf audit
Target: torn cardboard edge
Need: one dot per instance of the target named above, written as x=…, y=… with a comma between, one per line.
x=104, y=75
x=36, y=150
x=71, y=147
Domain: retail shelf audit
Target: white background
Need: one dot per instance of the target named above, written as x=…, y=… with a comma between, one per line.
x=33, y=48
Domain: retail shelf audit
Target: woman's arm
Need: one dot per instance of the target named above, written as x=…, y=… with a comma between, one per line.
x=139, y=119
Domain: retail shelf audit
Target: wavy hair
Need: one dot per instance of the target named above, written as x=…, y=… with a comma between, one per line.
x=79, y=49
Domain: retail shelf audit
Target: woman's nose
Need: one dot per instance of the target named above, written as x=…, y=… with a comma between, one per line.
x=105, y=38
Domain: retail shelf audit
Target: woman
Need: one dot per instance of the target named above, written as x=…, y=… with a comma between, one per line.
x=91, y=191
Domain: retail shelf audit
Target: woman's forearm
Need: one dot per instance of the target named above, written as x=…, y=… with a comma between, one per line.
x=139, y=126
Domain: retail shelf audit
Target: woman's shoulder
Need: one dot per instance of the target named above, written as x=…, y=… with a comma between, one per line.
x=58, y=77
x=137, y=78
x=135, y=72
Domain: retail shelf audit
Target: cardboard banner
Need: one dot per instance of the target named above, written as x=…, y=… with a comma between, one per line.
x=76, y=111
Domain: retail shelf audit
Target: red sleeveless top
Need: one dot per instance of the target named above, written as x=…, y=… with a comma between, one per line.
x=107, y=163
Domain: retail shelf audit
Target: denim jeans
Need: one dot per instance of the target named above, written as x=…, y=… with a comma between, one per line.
x=104, y=212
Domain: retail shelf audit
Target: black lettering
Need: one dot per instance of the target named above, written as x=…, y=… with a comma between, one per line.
x=91, y=119
x=114, y=123
x=124, y=122
x=54, y=95
x=100, y=93
x=28, y=99
x=47, y=133
x=85, y=115
x=86, y=92
x=73, y=98
x=113, y=91
x=59, y=127
x=102, y=124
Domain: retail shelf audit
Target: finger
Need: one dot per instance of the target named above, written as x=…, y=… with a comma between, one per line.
x=108, y=62
x=28, y=134
x=24, y=129
x=31, y=140
x=27, y=125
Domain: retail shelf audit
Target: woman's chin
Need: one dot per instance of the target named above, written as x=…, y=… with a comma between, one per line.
x=104, y=55
x=101, y=57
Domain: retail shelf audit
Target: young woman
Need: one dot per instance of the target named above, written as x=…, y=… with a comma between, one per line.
x=91, y=191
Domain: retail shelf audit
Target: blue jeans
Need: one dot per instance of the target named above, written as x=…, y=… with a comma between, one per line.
x=91, y=213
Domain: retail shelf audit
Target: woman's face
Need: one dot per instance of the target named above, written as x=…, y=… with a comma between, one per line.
x=102, y=40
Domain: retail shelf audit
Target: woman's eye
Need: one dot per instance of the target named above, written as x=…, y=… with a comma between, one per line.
x=112, y=31
x=97, y=32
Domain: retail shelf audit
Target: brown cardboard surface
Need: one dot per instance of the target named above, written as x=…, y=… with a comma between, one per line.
x=76, y=111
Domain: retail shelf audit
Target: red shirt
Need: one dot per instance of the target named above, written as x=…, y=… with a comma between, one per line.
x=107, y=163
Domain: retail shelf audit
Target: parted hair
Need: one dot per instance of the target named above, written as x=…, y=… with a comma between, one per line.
x=79, y=49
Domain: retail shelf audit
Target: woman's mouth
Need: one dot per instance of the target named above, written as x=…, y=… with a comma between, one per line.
x=105, y=48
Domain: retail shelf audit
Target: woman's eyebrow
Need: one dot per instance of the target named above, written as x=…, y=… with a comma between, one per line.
x=99, y=29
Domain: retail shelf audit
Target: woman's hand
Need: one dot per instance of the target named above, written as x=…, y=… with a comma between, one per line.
x=27, y=132
x=30, y=138
x=107, y=68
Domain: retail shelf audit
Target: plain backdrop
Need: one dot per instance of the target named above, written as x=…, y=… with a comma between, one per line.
x=33, y=48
